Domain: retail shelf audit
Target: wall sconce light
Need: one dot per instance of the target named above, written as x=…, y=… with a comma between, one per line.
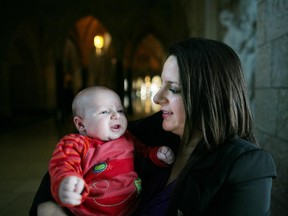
x=98, y=43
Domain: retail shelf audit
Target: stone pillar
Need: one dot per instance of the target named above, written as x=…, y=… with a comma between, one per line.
x=271, y=92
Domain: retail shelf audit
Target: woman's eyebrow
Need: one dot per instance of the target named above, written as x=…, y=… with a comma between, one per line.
x=172, y=82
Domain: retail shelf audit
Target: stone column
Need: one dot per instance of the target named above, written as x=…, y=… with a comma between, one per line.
x=271, y=92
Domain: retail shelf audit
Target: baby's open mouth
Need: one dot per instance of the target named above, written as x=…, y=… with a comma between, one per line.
x=116, y=127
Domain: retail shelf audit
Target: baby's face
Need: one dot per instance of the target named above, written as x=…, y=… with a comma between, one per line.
x=104, y=116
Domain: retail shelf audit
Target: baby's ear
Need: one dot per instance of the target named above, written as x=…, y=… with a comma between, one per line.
x=79, y=124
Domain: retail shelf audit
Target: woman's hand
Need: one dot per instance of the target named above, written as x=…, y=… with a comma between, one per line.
x=50, y=209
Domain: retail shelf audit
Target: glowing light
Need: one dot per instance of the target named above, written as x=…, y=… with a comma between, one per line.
x=98, y=42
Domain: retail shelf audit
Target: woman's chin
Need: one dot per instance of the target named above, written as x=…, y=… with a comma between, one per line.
x=166, y=127
x=172, y=129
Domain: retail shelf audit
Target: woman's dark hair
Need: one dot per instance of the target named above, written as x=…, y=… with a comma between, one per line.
x=213, y=91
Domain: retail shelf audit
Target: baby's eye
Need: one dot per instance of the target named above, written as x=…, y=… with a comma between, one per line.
x=121, y=111
x=104, y=112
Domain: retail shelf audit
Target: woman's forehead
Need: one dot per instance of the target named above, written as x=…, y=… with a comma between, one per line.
x=170, y=72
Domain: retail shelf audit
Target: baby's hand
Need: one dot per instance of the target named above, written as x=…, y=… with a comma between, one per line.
x=165, y=154
x=70, y=190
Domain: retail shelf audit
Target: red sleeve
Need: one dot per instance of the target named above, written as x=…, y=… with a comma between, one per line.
x=153, y=157
x=147, y=152
x=66, y=161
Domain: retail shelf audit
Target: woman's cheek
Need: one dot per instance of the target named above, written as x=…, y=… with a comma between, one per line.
x=180, y=115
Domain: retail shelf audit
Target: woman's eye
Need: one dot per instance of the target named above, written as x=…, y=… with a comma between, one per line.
x=175, y=91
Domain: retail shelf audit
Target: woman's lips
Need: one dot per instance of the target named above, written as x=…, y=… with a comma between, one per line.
x=166, y=114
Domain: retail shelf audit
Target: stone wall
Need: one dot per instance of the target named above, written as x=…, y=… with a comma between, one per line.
x=271, y=92
x=257, y=30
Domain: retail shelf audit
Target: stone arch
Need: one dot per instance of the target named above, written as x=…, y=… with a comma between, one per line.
x=149, y=56
x=84, y=31
x=144, y=60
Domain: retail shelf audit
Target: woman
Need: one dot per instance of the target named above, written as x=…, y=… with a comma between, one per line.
x=219, y=168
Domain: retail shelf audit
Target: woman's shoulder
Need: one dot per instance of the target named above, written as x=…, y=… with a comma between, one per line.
x=236, y=146
x=247, y=159
x=241, y=144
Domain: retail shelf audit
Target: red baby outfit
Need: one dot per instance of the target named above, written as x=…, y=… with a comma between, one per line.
x=111, y=184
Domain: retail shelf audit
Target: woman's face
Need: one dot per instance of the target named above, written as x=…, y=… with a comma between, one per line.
x=170, y=99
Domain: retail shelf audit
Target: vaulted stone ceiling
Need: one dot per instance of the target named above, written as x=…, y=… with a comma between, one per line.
x=43, y=40
x=128, y=22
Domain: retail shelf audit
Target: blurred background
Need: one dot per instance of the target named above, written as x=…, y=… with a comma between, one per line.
x=51, y=49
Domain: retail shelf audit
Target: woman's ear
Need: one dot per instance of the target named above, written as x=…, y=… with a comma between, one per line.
x=79, y=124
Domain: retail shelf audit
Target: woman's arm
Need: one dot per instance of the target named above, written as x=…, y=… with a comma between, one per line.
x=42, y=195
x=50, y=209
x=250, y=198
x=249, y=186
x=43, y=203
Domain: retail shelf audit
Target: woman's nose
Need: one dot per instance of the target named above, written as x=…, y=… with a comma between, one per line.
x=158, y=97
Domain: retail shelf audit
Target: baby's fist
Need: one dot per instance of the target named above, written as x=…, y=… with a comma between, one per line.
x=165, y=154
x=70, y=190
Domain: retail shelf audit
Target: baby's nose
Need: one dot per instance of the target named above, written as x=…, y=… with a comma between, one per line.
x=115, y=115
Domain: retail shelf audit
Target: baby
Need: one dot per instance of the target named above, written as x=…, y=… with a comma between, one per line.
x=92, y=173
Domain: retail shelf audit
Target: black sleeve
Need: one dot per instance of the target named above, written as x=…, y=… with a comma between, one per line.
x=250, y=198
x=43, y=194
x=250, y=185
